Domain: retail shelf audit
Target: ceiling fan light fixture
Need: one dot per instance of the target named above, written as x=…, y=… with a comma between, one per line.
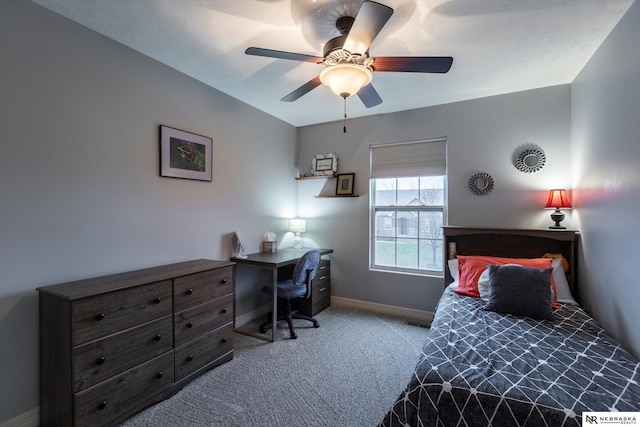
x=346, y=79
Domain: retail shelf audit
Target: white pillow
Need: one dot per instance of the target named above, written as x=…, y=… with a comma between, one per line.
x=562, y=286
x=483, y=284
x=453, y=268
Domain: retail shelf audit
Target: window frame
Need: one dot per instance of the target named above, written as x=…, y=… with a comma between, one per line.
x=394, y=208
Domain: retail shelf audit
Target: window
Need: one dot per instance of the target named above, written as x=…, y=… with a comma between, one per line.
x=408, y=212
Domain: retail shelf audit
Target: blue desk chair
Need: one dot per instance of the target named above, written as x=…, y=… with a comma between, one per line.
x=299, y=286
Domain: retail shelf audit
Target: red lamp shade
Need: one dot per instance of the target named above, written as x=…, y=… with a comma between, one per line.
x=558, y=199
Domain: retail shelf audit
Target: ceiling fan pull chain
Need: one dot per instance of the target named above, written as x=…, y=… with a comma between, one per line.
x=344, y=126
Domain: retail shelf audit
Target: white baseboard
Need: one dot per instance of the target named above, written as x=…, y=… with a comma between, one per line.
x=28, y=419
x=391, y=310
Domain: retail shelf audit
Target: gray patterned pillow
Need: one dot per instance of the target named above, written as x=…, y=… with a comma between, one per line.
x=518, y=290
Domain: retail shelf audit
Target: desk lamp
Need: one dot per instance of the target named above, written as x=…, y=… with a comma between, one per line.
x=297, y=226
x=557, y=199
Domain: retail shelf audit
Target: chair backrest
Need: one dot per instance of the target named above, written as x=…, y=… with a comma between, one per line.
x=307, y=263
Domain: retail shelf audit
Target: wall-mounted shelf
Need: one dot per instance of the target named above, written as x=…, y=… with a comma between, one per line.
x=326, y=196
x=300, y=178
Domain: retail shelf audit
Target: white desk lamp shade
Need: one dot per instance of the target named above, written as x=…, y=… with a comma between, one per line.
x=297, y=225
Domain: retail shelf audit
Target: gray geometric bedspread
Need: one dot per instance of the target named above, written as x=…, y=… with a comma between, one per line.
x=481, y=368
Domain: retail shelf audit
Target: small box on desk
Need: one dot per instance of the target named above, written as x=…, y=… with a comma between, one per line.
x=269, y=246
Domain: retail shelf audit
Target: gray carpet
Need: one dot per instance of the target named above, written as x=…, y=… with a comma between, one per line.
x=346, y=373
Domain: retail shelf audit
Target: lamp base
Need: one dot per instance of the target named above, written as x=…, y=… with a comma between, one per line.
x=557, y=216
x=297, y=241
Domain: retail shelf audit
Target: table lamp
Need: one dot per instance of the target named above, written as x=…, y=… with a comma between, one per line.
x=558, y=199
x=297, y=226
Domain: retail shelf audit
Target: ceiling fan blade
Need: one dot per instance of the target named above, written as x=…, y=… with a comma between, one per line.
x=413, y=64
x=279, y=54
x=303, y=90
x=369, y=96
x=371, y=18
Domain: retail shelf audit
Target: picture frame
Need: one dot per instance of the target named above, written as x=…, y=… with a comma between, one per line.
x=344, y=184
x=324, y=164
x=185, y=155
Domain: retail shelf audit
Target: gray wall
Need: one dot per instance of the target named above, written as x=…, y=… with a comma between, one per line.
x=481, y=135
x=80, y=194
x=605, y=101
x=80, y=189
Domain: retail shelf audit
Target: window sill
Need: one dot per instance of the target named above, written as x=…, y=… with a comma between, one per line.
x=431, y=274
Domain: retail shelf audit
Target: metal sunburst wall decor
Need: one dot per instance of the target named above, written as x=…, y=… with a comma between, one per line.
x=481, y=183
x=529, y=158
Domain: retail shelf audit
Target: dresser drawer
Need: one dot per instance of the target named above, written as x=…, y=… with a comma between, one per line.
x=323, y=275
x=101, y=359
x=199, y=288
x=101, y=404
x=202, y=351
x=104, y=314
x=189, y=324
x=321, y=297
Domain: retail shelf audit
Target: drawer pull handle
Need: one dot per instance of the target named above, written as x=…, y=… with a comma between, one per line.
x=324, y=267
x=223, y=311
x=158, y=337
x=190, y=325
x=322, y=289
x=102, y=405
x=223, y=282
x=100, y=360
x=159, y=375
x=189, y=291
x=157, y=300
x=224, y=340
x=99, y=316
x=323, y=277
x=189, y=358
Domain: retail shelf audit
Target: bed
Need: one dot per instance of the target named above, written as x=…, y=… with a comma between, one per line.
x=482, y=368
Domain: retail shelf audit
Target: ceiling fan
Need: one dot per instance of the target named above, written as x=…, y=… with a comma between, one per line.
x=348, y=66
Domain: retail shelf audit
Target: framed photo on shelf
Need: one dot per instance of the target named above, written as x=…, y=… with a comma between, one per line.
x=324, y=165
x=344, y=185
x=185, y=155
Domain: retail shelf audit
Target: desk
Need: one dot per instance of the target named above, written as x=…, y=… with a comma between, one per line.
x=273, y=261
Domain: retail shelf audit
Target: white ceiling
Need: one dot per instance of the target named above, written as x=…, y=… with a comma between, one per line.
x=498, y=46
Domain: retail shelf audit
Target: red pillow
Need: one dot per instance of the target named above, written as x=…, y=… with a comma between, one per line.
x=470, y=267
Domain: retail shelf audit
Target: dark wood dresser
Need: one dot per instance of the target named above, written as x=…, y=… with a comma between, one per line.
x=113, y=345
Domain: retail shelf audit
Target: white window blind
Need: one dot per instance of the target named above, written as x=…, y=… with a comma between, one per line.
x=409, y=159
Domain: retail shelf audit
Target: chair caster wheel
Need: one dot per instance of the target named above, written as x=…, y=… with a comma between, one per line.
x=294, y=336
x=316, y=324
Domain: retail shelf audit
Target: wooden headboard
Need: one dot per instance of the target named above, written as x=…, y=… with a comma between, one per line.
x=512, y=243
